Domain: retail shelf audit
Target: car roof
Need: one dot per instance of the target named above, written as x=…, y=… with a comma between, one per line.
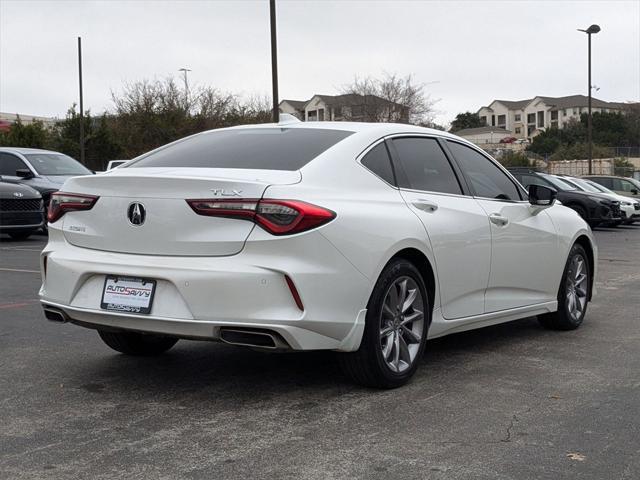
x=381, y=128
x=23, y=150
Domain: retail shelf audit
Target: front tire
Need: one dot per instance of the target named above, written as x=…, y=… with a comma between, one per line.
x=137, y=344
x=573, y=294
x=395, y=332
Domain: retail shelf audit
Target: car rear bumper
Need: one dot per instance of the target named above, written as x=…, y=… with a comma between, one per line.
x=196, y=297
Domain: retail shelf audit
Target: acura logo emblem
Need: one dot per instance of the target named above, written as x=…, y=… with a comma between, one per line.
x=136, y=214
x=18, y=194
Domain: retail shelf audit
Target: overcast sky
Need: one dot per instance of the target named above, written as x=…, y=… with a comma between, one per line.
x=473, y=51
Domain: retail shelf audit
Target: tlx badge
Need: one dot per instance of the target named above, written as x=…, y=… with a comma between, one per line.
x=226, y=193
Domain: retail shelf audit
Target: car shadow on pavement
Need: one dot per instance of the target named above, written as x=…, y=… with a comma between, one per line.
x=204, y=368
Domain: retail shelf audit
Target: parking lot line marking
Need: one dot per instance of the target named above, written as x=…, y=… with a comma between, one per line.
x=18, y=270
x=16, y=305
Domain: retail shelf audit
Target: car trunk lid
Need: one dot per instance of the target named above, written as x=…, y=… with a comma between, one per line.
x=164, y=223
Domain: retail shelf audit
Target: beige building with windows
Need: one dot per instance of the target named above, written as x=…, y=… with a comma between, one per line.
x=525, y=118
x=348, y=107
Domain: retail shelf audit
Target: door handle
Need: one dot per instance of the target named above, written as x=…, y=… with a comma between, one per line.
x=498, y=219
x=426, y=205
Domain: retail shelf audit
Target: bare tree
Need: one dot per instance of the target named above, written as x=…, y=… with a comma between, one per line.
x=393, y=98
x=148, y=113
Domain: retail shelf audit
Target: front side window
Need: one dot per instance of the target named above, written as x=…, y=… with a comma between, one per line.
x=486, y=178
x=623, y=185
x=425, y=166
x=377, y=160
x=56, y=164
x=9, y=164
x=253, y=148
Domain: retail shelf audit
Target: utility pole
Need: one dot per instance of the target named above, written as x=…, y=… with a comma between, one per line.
x=81, y=101
x=590, y=31
x=274, y=61
x=186, y=84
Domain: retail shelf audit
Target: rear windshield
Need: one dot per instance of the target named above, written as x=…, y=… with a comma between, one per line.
x=256, y=148
x=559, y=183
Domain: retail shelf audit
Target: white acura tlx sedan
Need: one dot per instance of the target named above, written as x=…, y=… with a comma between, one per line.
x=365, y=239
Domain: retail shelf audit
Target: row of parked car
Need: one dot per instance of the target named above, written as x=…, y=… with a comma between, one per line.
x=28, y=177
x=602, y=200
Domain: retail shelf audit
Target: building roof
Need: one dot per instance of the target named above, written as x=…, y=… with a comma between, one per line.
x=559, y=103
x=514, y=104
x=577, y=101
x=297, y=104
x=344, y=99
x=478, y=130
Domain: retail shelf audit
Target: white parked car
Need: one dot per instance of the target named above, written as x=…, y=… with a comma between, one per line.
x=628, y=205
x=360, y=238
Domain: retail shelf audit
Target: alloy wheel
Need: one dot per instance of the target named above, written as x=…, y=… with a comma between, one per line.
x=576, y=287
x=401, y=324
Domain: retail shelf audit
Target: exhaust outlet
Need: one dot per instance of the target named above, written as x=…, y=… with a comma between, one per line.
x=54, y=315
x=251, y=338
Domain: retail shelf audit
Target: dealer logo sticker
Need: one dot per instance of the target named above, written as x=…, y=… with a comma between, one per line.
x=136, y=213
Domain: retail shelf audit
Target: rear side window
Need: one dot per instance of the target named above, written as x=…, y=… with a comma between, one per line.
x=487, y=180
x=425, y=166
x=256, y=148
x=377, y=160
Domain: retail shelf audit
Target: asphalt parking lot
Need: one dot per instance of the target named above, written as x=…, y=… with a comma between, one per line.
x=507, y=402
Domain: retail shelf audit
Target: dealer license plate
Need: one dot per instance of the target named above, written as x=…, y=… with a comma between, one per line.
x=128, y=294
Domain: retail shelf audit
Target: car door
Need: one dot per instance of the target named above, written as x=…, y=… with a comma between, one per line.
x=455, y=224
x=524, y=239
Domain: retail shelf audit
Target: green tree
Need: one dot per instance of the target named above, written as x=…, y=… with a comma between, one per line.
x=101, y=143
x=33, y=135
x=466, y=120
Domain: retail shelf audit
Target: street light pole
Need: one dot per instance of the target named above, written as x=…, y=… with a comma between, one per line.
x=186, y=84
x=590, y=31
x=81, y=101
x=274, y=61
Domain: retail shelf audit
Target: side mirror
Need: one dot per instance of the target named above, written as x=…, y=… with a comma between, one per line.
x=24, y=173
x=542, y=196
x=634, y=191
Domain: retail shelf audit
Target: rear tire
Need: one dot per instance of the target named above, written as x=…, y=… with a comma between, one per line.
x=573, y=294
x=395, y=332
x=138, y=344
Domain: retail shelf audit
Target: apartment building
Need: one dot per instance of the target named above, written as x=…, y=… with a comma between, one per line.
x=348, y=107
x=527, y=117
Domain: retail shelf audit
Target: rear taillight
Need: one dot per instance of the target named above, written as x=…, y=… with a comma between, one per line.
x=278, y=217
x=62, y=202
